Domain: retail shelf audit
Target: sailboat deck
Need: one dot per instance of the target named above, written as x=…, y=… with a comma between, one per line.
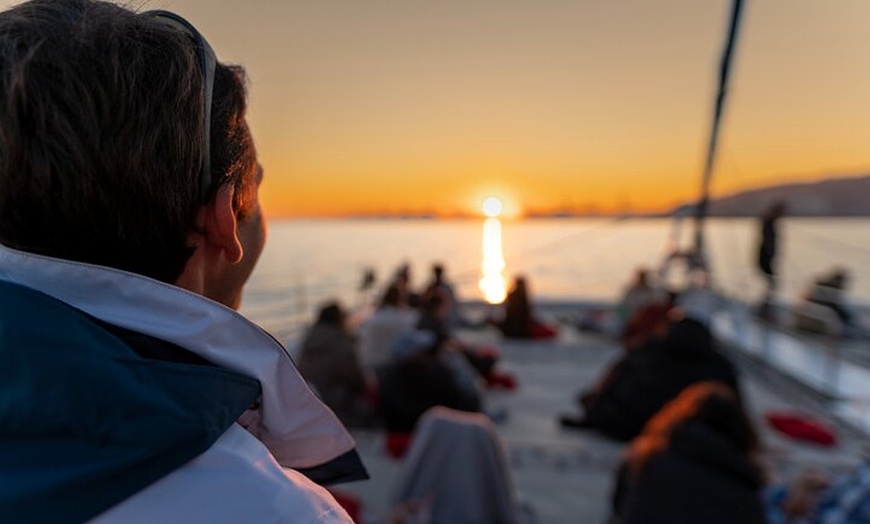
x=566, y=474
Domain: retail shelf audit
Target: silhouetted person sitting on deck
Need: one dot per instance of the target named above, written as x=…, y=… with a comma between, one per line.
x=328, y=360
x=694, y=462
x=639, y=294
x=378, y=332
x=441, y=286
x=402, y=280
x=648, y=321
x=645, y=379
x=418, y=378
x=824, y=310
x=519, y=321
x=435, y=319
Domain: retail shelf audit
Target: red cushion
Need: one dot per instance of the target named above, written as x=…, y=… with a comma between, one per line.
x=500, y=379
x=397, y=444
x=371, y=395
x=541, y=331
x=801, y=427
x=349, y=502
x=488, y=351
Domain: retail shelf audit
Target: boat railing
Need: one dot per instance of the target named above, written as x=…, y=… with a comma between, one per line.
x=821, y=328
x=812, y=357
x=819, y=363
x=811, y=318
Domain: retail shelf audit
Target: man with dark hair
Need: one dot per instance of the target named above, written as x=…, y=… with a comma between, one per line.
x=131, y=390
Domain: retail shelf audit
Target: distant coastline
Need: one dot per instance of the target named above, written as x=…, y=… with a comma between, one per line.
x=832, y=197
x=846, y=196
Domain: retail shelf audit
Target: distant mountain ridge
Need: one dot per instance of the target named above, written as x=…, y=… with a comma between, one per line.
x=841, y=197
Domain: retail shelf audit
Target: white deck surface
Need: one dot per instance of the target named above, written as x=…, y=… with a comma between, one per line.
x=566, y=475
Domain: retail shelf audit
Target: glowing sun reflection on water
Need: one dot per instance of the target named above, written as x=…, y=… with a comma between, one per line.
x=493, y=283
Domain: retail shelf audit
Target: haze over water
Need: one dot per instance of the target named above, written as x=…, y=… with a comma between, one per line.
x=309, y=261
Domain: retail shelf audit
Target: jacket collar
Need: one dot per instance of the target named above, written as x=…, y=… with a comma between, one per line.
x=298, y=429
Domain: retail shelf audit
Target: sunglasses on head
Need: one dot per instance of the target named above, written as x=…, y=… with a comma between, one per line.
x=207, y=63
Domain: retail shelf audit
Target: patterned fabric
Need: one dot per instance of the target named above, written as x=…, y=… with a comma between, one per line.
x=847, y=501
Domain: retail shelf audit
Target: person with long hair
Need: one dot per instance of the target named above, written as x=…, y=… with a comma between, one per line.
x=694, y=462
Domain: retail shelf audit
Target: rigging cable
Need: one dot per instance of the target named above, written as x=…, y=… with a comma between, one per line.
x=724, y=72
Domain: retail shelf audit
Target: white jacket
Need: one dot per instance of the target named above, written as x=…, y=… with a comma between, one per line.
x=241, y=478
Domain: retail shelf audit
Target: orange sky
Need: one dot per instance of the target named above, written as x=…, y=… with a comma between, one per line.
x=376, y=106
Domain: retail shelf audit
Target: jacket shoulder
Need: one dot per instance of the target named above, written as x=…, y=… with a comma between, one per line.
x=236, y=480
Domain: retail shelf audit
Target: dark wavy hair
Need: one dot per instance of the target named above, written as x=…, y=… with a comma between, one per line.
x=100, y=141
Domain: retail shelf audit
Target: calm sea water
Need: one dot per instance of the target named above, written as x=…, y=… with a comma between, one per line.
x=309, y=261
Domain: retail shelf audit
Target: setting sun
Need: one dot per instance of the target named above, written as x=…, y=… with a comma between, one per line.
x=492, y=207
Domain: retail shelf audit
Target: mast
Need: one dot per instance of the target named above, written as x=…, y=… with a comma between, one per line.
x=699, y=256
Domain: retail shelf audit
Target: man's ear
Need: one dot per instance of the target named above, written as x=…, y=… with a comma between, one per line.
x=221, y=228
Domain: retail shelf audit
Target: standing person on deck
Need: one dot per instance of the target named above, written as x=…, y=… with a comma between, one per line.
x=129, y=221
x=767, y=253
